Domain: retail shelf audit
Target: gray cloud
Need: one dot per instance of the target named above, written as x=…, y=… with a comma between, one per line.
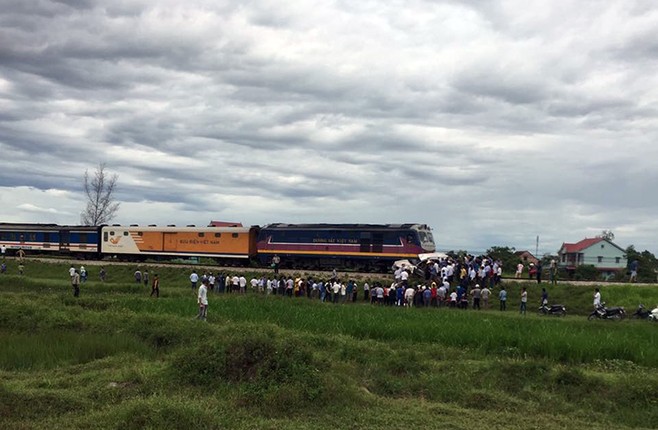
x=493, y=121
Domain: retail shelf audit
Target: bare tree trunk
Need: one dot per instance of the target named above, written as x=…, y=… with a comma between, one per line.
x=101, y=205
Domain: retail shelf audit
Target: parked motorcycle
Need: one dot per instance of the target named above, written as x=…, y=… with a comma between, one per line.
x=653, y=316
x=641, y=313
x=559, y=310
x=605, y=313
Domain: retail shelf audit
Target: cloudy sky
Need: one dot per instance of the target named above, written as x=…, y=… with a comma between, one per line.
x=491, y=121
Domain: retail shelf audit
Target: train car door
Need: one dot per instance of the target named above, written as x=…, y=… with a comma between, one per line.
x=378, y=242
x=170, y=242
x=64, y=240
x=364, y=242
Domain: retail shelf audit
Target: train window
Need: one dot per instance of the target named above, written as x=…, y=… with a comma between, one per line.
x=410, y=238
x=234, y=235
x=33, y=237
x=218, y=235
x=139, y=233
x=111, y=233
x=12, y=237
x=46, y=237
x=125, y=233
x=105, y=236
x=83, y=237
x=201, y=234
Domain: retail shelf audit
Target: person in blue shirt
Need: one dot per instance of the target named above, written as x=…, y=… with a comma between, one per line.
x=502, y=296
x=544, y=297
x=633, y=267
x=399, y=295
x=323, y=291
x=427, y=296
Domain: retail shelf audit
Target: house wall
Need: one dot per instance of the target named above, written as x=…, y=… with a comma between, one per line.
x=604, y=255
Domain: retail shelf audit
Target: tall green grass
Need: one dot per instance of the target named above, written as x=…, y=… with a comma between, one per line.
x=115, y=358
x=49, y=349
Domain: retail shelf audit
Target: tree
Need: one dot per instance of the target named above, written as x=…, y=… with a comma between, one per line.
x=505, y=254
x=607, y=235
x=99, y=189
x=647, y=264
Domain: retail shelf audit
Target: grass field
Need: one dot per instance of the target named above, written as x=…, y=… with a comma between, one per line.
x=115, y=358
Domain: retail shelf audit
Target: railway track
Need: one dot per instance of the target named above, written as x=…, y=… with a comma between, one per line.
x=285, y=272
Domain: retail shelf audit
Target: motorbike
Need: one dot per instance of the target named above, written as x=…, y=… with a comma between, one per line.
x=559, y=310
x=641, y=313
x=653, y=316
x=605, y=313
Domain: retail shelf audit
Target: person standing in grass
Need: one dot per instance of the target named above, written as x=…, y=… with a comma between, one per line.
x=155, y=287
x=71, y=272
x=21, y=268
x=485, y=293
x=524, y=301
x=75, y=283
x=477, y=294
x=552, y=274
x=202, y=300
x=597, y=298
x=544, y=297
x=145, y=277
x=194, y=278
x=633, y=268
x=102, y=274
x=502, y=296
x=519, y=271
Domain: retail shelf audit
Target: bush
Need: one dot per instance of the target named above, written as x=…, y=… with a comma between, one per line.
x=268, y=371
x=586, y=272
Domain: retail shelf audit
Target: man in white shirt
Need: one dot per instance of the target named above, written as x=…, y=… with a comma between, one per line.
x=235, y=284
x=202, y=300
x=519, y=270
x=409, y=296
x=243, y=285
x=194, y=278
x=597, y=298
x=404, y=276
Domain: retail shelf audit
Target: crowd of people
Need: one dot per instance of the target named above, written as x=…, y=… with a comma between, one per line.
x=474, y=282
x=461, y=284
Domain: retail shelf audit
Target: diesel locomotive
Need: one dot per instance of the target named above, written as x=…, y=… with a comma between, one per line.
x=359, y=246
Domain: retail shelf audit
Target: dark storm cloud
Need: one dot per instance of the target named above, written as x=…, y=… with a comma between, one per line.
x=537, y=115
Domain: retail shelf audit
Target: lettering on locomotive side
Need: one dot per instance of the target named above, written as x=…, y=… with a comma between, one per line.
x=334, y=240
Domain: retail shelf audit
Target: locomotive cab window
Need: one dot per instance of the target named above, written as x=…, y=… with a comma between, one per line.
x=234, y=235
x=202, y=234
x=111, y=233
x=139, y=233
x=218, y=235
x=105, y=235
x=125, y=233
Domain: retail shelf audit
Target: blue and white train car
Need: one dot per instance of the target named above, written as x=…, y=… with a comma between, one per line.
x=80, y=241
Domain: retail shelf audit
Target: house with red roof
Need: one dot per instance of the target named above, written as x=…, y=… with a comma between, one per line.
x=598, y=252
x=526, y=257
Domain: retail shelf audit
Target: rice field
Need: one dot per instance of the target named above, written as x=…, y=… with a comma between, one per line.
x=115, y=358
